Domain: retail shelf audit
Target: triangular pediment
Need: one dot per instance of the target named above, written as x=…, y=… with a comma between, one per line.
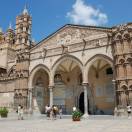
x=70, y=34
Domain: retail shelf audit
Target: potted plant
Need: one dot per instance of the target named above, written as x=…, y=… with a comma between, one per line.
x=4, y=112
x=76, y=115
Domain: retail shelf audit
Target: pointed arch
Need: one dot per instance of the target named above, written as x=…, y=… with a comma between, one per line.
x=118, y=36
x=35, y=70
x=89, y=63
x=126, y=35
x=124, y=87
x=63, y=58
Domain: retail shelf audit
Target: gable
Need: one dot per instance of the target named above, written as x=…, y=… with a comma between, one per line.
x=69, y=35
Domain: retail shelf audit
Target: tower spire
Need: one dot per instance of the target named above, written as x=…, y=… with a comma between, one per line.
x=25, y=11
x=0, y=30
x=10, y=25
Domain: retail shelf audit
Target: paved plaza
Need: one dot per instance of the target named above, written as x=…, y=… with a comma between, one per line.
x=41, y=124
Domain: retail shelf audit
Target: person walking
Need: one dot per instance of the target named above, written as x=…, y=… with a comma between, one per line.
x=19, y=111
x=60, y=112
x=55, y=110
x=115, y=112
x=47, y=111
x=129, y=111
x=51, y=113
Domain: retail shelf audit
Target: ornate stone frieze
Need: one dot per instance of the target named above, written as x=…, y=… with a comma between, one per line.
x=23, y=56
x=22, y=73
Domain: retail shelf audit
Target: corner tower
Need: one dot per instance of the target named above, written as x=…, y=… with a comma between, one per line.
x=122, y=51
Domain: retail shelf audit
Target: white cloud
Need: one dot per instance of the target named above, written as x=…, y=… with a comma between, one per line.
x=82, y=13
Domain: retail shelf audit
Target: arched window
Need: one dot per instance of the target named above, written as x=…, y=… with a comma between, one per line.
x=126, y=36
x=130, y=87
x=124, y=87
x=121, y=61
x=129, y=60
x=58, y=78
x=109, y=71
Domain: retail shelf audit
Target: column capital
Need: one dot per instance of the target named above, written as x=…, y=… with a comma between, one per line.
x=85, y=84
x=51, y=87
x=114, y=81
x=31, y=88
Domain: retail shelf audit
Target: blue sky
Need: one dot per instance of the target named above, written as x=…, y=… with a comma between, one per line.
x=49, y=15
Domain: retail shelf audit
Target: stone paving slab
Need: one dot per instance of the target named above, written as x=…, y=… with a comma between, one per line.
x=41, y=124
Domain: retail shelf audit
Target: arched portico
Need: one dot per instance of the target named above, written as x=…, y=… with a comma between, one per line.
x=67, y=74
x=100, y=75
x=38, y=88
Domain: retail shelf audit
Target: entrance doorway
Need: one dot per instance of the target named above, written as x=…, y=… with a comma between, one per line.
x=81, y=102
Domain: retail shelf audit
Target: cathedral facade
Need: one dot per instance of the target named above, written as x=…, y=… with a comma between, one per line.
x=84, y=66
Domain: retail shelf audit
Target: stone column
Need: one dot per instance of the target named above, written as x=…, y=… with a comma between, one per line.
x=115, y=95
x=30, y=100
x=85, y=87
x=51, y=95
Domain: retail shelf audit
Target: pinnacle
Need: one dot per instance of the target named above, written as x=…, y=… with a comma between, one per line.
x=10, y=26
x=0, y=30
x=25, y=11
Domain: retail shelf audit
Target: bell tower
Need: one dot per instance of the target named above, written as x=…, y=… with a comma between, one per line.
x=23, y=29
x=23, y=41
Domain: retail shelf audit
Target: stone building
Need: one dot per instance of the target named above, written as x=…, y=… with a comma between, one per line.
x=84, y=66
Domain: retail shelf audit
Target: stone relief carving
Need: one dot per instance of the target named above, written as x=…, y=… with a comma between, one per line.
x=122, y=32
x=71, y=35
x=22, y=73
x=74, y=35
x=70, y=39
x=22, y=56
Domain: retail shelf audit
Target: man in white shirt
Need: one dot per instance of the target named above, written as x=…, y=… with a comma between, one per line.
x=129, y=111
x=19, y=112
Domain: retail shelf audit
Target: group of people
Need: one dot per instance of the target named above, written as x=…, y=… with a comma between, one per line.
x=52, y=112
x=20, y=112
